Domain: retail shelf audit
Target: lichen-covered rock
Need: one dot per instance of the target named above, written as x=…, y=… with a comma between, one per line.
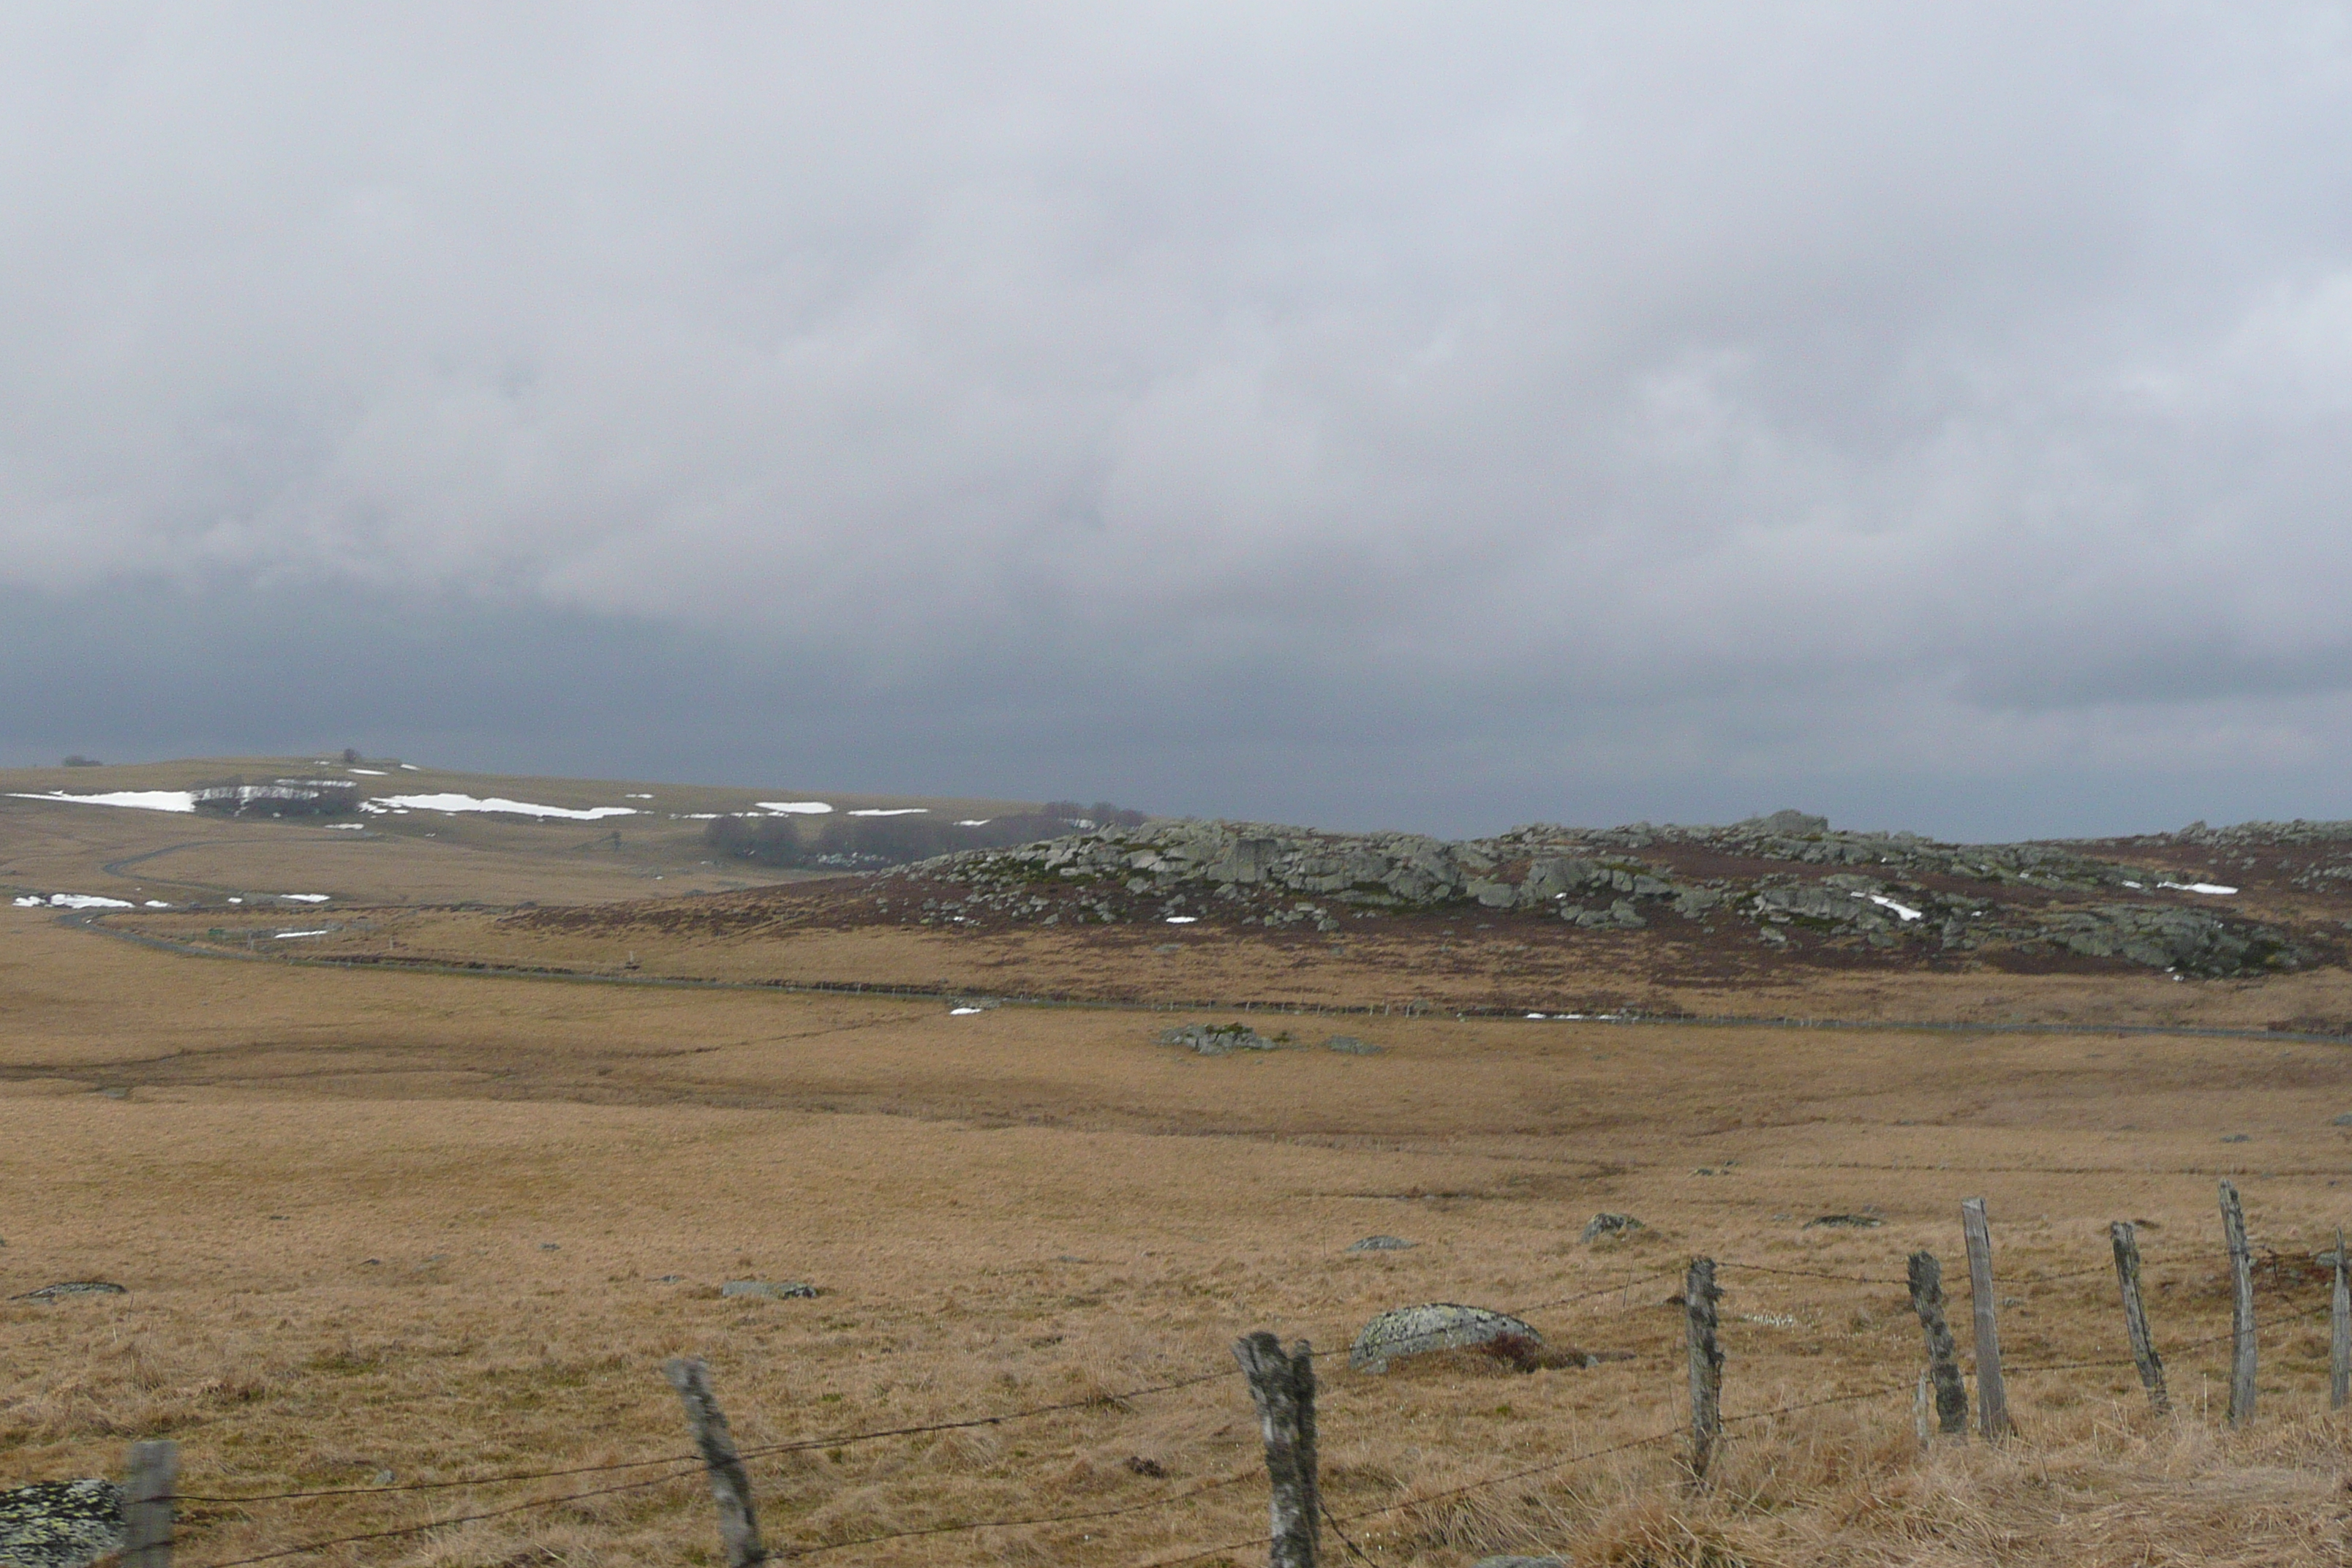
x=1382, y=1244
x=60, y=1524
x=1433, y=1326
x=67, y=1288
x=1607, y=1224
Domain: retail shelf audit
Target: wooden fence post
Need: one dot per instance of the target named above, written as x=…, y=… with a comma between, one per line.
x=1992, y=1392
x=1284, y=1389
x=2242, y=1307
x=1927, y=1301
x=152, y=1476
x=2126, y=1238
x=2340, y=1335
x=1699, y=1298
x=731, y=1487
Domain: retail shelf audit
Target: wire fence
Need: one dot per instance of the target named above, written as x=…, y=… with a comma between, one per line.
x=680, y=1466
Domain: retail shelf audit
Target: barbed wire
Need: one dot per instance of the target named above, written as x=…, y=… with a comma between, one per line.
x=1001, y=1523
x=459, y=1519
x=840, y=1440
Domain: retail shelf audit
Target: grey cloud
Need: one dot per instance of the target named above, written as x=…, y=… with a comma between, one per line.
x=1446, y=415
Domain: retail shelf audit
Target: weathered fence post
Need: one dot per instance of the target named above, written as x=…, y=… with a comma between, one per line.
x=1284, y=1388
x=2242, y=1307
x=1992, y=1392
x=1927, y=1301
x=153, y=1476
x=2339, y=1334
x=1699, y=1298
x=2126, y=1238
x=731, y=1487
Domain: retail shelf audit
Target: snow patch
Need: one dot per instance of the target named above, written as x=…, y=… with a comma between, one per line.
x=895, y=811
x=85, y=902
x=2214, y=887
x=307, y=898
x=28, y=903
x=793, y=807
x=625, y=795
x=498, y=804
x=964, y=1012
x=347, y=827
x=1906, y=911
x=372, y=773
x=289, y=935
x=156, y=904
x=976, y=822
x=136, y=799
x=1181, y=920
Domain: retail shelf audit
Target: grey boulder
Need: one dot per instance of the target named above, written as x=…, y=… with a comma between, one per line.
x=1607, y=1224
x=1434, y=1326
x=1382, y=1244
x=60, y=1524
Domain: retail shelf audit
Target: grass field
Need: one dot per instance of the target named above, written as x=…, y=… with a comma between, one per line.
x=440, y=1226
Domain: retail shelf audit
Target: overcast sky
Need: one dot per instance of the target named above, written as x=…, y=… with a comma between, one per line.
x=1437, y=417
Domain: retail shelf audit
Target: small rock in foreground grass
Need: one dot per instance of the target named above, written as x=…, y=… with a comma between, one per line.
x=60, y=1524
x=1607, y=1224
x=1381, y=1243
x=1843, y=1222
x=788, y=1290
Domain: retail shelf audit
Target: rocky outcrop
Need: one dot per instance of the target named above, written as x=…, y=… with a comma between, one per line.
x=1782, y=876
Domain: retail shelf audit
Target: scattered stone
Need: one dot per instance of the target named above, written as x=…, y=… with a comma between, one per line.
x=1607, y=1224
x=667, y=1278
x=60, y=1524
x=2237, y=1138
x=1218, y=1039
x=1843, y=1222
x=551, y=1247
x=2343, y=1121
x=1348, y=1044
x=1434, y=1326
x=68, y=1288
x=763, y=1289
x=1381, y=1243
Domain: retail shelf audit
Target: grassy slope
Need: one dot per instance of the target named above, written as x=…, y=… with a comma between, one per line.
x=48, y=847
x=419, y=1223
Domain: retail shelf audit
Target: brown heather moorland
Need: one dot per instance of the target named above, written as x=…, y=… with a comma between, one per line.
x=383, y=1220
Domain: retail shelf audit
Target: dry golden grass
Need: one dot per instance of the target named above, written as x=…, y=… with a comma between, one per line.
x=419, y=1224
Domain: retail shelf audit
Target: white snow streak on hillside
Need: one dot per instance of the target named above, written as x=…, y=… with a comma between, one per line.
x=137, y=799
x=802, y=807
x=456, y=803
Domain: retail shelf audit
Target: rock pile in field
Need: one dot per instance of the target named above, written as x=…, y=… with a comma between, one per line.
x=768, y=1290
x=1788, y=876
x=60, y=1524
x=1221, y=1039
x=1434, y=1326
